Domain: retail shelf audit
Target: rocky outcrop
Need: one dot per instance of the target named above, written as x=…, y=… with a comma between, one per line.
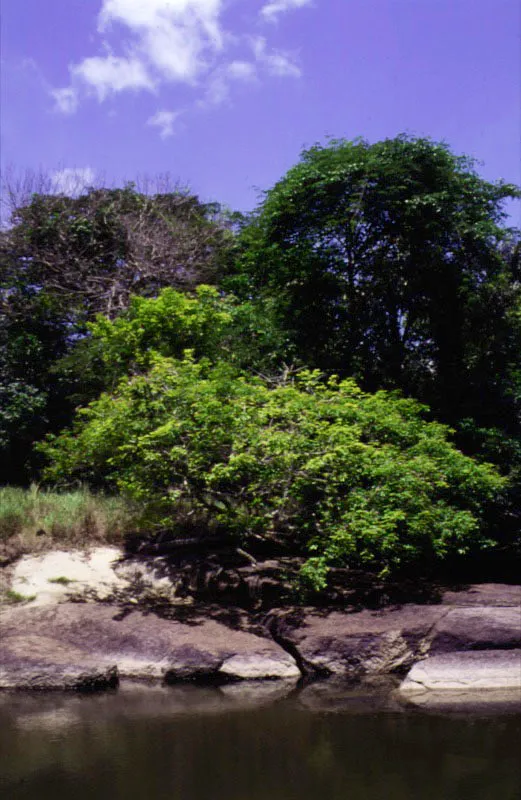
x=45, y=676
x=391, y=640
x=360, y=643
x=53, y=642
x=476, y=670
x=477, y=628
x=74, y=639
x=488, y=681
x=484, y=594
x=97, y=573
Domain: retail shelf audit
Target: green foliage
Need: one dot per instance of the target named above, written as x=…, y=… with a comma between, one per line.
x=344, y=476
x=390, y=263
x=207, y=323
x=62, y=261
x=10, y=596
x=387, y=264
x=383, y=260
x=31, y=340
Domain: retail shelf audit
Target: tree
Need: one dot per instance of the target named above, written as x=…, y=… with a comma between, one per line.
x=390, y=263
x=206, y=322
x=33, y=337
x=95, y=250
x=381, y=260
x=323, y=469
x=63, y=260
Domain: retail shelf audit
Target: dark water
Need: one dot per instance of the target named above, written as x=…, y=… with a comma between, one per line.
x=197, y=744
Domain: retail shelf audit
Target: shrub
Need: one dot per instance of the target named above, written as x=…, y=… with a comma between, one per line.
x=345, y=476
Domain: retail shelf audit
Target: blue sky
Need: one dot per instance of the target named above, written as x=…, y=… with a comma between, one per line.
x=224, y=94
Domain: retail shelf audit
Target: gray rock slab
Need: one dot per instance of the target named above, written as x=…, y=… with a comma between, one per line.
x=360, y=643
x=484, y=594
x=255, y=665
x=391, y=640
x=87, y=636
x=477, y=628
x=44, y=676
x=465, y=671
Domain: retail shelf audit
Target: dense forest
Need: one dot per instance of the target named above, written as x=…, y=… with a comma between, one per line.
x=337, y=374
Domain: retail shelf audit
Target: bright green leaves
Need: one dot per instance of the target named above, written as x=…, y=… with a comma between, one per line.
x=166, y=325
x=207, y=323
x=335, y=473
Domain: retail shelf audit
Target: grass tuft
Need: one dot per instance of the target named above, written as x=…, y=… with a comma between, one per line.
x=15, y=597
x=33, y=520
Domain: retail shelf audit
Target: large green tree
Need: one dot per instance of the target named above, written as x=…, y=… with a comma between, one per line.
x=387, y=263
x=391, y=263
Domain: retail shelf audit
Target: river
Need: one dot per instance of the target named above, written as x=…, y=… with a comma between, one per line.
x=211, y=744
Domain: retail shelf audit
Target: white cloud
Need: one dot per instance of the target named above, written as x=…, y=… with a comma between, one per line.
x=172, y=35
x=72, y=180
x=164, y=120
x=65, y=100
x=149, y=14
x=218, y=88
x=177, y=56
x=280, y=65
x=241, y=71
x=149, y=44
x=276, y=62
x=106, y=74
x=273, y=9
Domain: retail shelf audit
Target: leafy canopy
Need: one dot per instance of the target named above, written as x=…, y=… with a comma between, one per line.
x=206, y=322
x=381, y=259
x=330, y=471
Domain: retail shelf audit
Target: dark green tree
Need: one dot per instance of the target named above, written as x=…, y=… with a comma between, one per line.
x=383, y=260
x=32, y=337
x=391, y=263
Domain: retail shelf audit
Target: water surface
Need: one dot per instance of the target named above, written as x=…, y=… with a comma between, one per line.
x=209, y=744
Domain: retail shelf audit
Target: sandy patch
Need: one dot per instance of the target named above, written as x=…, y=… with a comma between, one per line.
x=52, y=577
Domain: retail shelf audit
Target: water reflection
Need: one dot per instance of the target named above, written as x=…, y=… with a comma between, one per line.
x=208, y=744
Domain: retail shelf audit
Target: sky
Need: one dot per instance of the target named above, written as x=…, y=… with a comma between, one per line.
x=225, y=94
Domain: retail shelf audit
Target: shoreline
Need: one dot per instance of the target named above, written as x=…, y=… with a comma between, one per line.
x=106, y=620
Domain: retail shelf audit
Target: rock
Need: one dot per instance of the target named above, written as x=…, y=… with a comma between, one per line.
x=484, y=594
x=360, y=643
x=252, y=667
x=49, y=677
x=87, y=636
x=463, y=671
x=477, y=628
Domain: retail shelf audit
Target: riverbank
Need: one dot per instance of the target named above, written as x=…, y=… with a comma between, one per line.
x=95, y=619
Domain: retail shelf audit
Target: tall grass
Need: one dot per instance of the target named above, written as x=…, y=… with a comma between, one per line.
x=35, y=519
